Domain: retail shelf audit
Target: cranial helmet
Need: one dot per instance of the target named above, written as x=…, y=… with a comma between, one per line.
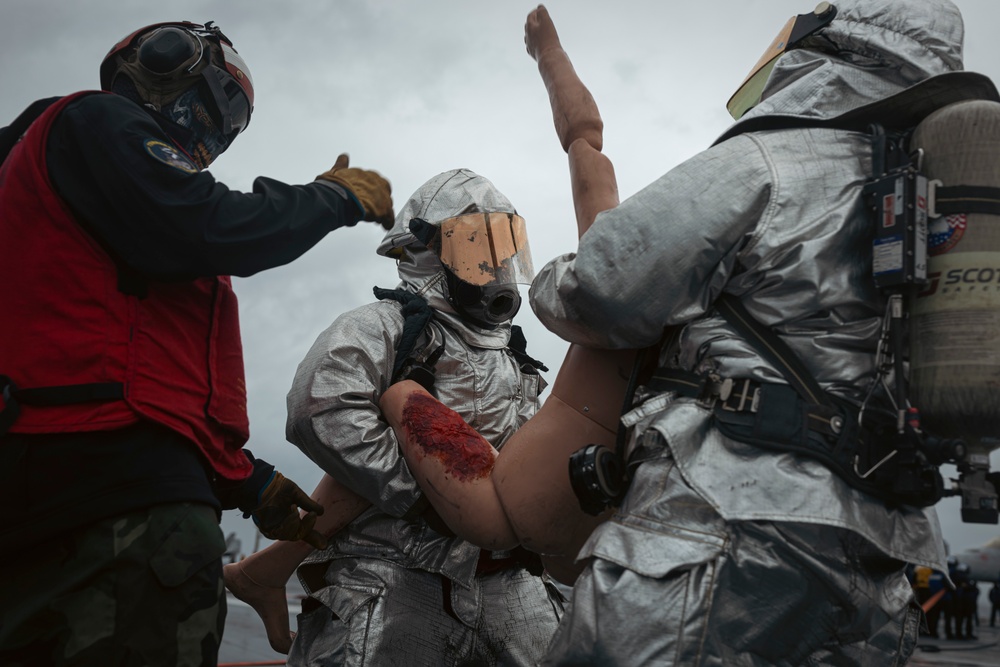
x=189, y=73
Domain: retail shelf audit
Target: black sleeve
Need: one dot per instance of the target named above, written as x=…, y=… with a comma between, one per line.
x=245, y=495
x=168, y=221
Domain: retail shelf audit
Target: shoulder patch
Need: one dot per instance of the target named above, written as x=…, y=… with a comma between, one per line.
x=170, y=156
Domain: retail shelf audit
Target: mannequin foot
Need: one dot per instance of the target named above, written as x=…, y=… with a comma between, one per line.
x=540, y=33
x=269, y=602
x=574, y=111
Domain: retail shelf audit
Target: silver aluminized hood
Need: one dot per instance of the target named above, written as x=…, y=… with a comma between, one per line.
x=446, y=195
x=870, y=51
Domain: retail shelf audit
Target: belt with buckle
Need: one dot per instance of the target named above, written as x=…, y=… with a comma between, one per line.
x=743, y=396
x=711, y=391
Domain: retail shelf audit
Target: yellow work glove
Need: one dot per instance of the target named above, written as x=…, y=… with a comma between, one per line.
x=371, y=192
x=278, y=517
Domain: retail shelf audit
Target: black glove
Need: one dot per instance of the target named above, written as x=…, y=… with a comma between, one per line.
x=420, y=371
x=277, y=513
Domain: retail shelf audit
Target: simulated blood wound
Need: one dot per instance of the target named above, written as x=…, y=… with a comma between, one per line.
x=439, y=432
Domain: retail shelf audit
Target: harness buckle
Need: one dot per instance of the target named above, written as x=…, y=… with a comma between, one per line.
x=747, y=397
x=715, y=389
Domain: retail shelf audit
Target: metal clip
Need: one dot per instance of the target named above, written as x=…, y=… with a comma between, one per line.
x=837, y=425
x=723, y=390
x=874, y=467
x=932, y=186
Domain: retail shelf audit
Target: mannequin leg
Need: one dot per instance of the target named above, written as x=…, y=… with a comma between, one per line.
x=574, y=111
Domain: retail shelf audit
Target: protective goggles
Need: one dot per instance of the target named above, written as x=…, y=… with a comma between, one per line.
x=748, y=95
x=485, y=248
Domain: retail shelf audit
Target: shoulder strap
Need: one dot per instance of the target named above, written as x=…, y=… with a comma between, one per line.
x=417, y=314
x=518, y=346
x=772, y=348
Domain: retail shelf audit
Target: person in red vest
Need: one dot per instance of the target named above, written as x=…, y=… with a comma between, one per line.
x=122, y=393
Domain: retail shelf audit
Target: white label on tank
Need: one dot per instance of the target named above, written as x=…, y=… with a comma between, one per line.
x=956, y=319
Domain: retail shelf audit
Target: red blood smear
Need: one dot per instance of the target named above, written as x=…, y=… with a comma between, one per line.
x=439, y=432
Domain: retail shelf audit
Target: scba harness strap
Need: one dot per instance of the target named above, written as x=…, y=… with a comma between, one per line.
x=418, y=365
x=801, y=418
x=773, y=416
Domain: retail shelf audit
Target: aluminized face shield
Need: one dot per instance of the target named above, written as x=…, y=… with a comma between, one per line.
x=485, y=248
x=796, y=29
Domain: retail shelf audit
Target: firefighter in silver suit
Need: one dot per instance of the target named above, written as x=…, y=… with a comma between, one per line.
x=395, y=587
x=725, y=552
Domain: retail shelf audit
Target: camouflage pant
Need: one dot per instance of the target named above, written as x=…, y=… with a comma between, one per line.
x=141, y=589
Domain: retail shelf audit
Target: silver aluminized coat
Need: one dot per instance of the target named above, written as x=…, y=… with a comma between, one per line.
x=775, y=218
x=334, y=418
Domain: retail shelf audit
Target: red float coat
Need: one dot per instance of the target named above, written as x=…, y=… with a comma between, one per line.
x=175, y=353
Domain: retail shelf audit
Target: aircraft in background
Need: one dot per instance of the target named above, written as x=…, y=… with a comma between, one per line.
x=983, y=562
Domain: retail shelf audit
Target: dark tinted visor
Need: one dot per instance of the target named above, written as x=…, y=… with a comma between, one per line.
x=230, y=102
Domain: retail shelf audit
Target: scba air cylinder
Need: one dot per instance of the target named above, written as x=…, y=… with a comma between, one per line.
x=955, y=326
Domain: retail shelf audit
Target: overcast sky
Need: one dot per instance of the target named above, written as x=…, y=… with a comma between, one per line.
x=415, y=88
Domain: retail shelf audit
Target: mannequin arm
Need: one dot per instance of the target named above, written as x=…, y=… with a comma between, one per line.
x=452, y=463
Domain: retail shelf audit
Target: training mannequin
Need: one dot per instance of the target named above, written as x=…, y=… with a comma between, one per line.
x=524, y=496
